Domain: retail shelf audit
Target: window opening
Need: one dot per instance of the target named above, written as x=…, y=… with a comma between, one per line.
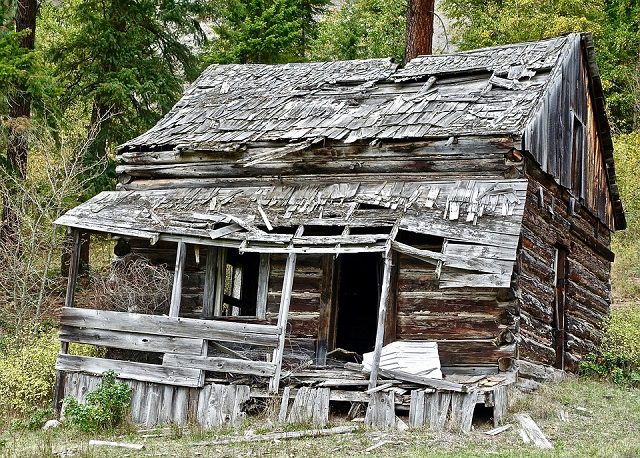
x=577, y=157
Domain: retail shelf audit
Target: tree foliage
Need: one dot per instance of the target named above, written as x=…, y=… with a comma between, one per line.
x=263, y=31
x=124, y=61
x=362, y=29
x=615, y=25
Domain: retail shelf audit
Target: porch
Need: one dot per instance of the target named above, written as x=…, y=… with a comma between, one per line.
x=453, y=241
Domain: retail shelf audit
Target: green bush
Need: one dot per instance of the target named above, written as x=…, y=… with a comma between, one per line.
x=623, y=335
x=619, y=356
x=105, y=408
x=27, y=370
x=27, y=373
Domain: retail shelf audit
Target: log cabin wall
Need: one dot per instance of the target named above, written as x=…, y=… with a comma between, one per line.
x=550, y=224
x=568, y=139
x=473, y=326
x=305, y=305
x=565, y=261
x=469, y=157
x=468, y=329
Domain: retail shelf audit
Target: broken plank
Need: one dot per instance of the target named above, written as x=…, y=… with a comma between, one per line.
x=280, y=436
x=430, y=382
x=532, y=431
x=258, y=334
x=131, y=340
x=378, y=388
x=498, y=430
x=98, y=443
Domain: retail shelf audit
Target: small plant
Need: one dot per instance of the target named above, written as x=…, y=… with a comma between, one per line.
x=105, y=408
x=34, y=418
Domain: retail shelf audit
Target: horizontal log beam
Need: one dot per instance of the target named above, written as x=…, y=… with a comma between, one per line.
x=131, y=340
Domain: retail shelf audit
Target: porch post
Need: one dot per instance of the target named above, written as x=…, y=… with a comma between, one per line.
x=382, y=313
x=74, y=265
x=176, y=292
x=263, y=285
x=210, y=282
x=285, y=299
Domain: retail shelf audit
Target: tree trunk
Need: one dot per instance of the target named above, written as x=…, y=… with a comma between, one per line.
x=419, y=28
x=19, y=116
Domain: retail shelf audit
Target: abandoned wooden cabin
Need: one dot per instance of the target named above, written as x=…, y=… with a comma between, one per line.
x=460, y=207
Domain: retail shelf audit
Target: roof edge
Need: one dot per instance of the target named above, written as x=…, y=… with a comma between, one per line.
x=604, y=129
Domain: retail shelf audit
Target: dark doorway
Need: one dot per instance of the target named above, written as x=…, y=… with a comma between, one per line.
x=358, y=298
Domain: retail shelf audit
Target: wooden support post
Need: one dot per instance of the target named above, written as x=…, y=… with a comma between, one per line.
x=208, y=299
x=221, y=273
x=285, y=299
x=176, y=292
x=382, y=313
x=326, y=301
x=263, y=285
x=74, y=266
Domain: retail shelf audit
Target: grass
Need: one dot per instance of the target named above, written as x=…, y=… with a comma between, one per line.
x=609, y=427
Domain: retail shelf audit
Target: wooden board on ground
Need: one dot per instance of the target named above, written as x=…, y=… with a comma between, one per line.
x=531, y=432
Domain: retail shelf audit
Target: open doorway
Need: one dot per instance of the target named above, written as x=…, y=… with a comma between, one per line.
x=358, y=294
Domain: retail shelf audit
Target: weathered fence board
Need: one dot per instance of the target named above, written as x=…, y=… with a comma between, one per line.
x=216, y=364
x=129, y=370
x=256, y=334
x=131, y=340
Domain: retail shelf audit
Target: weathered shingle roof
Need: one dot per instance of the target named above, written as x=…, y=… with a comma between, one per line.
x=492, y=90
x=482, y=217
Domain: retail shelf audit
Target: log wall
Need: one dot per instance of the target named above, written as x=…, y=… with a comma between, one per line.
x=473, y=326
x=304, y=308
x=550, y=222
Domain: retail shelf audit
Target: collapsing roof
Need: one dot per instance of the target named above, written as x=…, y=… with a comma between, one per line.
x=501, y=91
x=478, y=220
x=486, y=91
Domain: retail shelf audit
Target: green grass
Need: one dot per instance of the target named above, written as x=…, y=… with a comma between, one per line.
x=609, y=428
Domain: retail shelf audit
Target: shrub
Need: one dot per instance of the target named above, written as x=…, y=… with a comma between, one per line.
x=619, y=356
x=27, y=373
x=27, y=370
x=623, y=335
x=105, y=408
x=132, y=285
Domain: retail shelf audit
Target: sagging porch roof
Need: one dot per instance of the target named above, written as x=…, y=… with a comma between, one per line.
x=479, y=220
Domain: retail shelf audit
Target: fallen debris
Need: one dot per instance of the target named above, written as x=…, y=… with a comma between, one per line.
x=375, y=446
x=498, y=430
x=98, y=443
x=531, y=431
x=379, y=388
x=418, y=358
x=279, y=436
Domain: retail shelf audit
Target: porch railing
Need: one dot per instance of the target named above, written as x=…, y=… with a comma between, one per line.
x=183, y=342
